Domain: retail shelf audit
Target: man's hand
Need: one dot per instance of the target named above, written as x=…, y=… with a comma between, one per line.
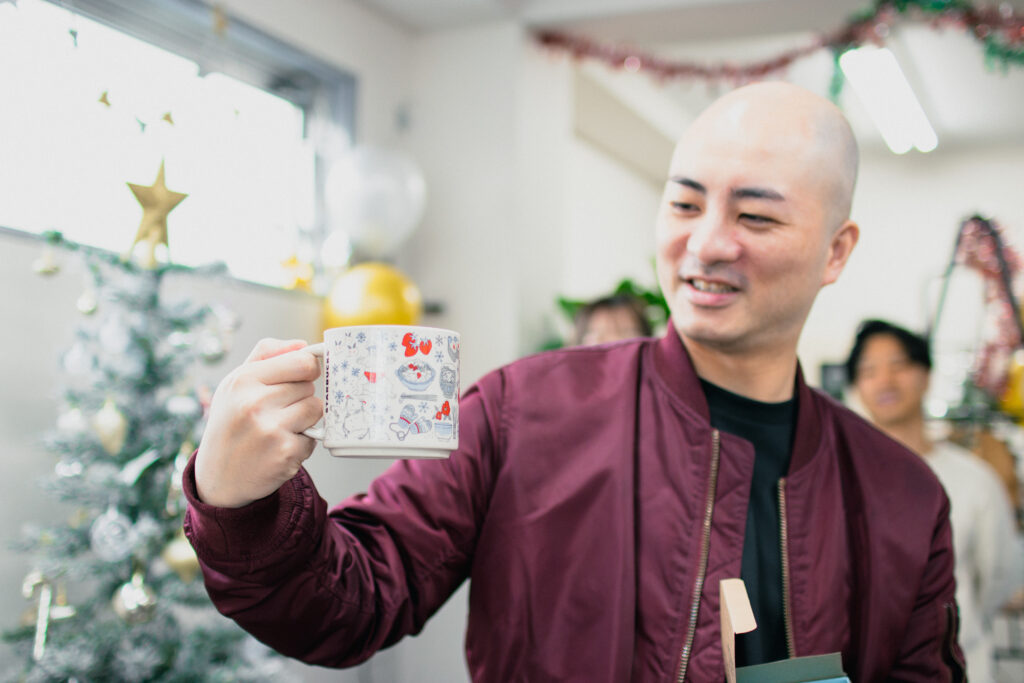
x=253, y=442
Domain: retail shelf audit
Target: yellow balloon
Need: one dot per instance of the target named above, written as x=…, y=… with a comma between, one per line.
x=1012, y=400
x=372, y=294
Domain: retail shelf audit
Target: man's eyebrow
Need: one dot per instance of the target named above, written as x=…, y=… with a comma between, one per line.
x=688, y=182
x=756, y=193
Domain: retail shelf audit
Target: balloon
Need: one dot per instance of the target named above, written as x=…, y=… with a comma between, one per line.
x=376, y=197
x=372, y=294
x=1012, y=400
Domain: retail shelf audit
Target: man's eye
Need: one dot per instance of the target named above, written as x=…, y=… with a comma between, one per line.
x=684, y=206
x=756, y=219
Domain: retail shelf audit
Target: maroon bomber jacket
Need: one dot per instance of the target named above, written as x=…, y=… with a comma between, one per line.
x=595, y=510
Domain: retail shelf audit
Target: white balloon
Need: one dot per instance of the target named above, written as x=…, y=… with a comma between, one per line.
x=376, y=197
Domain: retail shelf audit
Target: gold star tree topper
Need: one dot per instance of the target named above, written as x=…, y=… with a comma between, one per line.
x=157, y=201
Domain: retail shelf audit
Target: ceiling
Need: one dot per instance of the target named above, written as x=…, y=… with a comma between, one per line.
x=967, y=103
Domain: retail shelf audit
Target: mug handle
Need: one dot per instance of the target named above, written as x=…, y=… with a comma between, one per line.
x=315, y=432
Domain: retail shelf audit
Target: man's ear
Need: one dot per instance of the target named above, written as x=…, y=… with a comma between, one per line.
x=843, y=242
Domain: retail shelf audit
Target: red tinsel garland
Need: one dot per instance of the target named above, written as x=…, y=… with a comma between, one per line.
x=1001, y=28
x=983, y=248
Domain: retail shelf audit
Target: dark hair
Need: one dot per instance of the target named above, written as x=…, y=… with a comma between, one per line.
x=914, y=345
x=624, y=301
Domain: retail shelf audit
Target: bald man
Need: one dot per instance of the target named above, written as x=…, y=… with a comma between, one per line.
x=600, y=494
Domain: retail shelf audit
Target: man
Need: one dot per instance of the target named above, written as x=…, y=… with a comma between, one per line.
x=889, y=367
x=600, y=494
x=610, y=318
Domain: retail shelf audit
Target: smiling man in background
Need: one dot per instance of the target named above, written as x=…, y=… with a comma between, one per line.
x=600, y=494
x=890, y=366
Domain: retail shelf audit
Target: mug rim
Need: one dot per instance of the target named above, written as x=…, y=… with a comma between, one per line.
x=392, y=327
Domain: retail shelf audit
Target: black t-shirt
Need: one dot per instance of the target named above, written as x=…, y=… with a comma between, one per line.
x=769, y=427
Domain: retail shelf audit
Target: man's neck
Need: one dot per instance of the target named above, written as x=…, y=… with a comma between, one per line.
x=764, y=376
x=910, y=433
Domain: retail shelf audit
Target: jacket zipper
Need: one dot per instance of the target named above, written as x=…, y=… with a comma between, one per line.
x=787, y=610
x=705, y=543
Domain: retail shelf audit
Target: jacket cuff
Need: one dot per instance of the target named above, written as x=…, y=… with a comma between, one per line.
x=248, y=532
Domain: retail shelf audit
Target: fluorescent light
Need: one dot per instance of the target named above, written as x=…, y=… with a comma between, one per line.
x=883, y=88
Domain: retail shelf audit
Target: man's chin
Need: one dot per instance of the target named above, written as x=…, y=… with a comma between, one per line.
x=707, y=334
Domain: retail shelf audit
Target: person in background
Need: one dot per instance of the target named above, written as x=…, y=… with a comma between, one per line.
x=610, y=318
x=889, y=368
x=599, y=495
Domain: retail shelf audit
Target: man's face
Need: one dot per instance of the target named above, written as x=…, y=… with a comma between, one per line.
x=746, y=234
x=610, y=324
x=891, y=386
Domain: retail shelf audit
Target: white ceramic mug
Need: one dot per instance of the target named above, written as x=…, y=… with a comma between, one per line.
x=391, y=391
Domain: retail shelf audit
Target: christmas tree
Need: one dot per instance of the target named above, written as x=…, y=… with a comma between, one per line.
x=114, y=591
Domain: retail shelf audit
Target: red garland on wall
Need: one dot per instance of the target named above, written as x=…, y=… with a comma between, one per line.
x=1000, y=29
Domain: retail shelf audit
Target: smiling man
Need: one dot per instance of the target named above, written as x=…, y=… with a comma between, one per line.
x=600, y=494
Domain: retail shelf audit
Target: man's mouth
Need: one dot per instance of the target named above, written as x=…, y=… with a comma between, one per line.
x=710, y=286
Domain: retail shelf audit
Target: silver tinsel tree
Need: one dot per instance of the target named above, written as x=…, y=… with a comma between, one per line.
x=114, y=594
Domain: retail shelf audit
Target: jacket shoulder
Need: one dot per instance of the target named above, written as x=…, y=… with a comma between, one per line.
x=577, y=369
x=880, y=460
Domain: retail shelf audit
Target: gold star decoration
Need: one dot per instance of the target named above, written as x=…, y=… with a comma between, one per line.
x=299, y=274
x=157, y=201
x=168, y=118
x=220, y=21
x=105, y=98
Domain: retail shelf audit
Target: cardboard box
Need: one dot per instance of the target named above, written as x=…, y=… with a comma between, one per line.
x=737, y=617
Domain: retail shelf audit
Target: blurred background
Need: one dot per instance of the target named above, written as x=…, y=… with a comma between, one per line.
x=461, y=163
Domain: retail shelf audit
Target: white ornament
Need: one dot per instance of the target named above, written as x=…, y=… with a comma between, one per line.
x=183, y=406
x=72, y=422
x=87, y=302
x=112, y=536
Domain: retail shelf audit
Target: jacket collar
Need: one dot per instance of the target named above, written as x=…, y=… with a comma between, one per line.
x=675, y=367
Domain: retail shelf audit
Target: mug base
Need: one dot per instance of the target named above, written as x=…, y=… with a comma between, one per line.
x=388, y=452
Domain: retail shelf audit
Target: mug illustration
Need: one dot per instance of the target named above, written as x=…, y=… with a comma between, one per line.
x=409, y=423
x=416, y=376
x=443, y=426
x=448, y=381
x=355, y=421
x=390, y=391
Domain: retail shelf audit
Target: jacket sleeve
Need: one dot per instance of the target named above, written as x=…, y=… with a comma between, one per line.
x=333, y=587
x=931, y=650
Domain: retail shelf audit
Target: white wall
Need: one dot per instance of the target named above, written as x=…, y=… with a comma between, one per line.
x=909, y=210
x=609, y=234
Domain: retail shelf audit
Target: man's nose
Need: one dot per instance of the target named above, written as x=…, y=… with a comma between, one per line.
x=713, y=240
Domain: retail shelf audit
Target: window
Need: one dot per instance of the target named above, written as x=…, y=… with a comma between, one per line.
x=98, y=97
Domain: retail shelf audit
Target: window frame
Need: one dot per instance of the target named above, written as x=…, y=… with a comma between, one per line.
x=324, y=92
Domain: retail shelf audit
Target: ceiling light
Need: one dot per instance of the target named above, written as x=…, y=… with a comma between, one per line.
x=883, y=89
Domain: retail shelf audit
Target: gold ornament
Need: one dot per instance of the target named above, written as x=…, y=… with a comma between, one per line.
x=104, y=98
x=220, y=21
x=179, y=556
x=168, y=118
x=134, y=601
x=298, y=274
x=157, y=201
x=111, y=427
x=372, y=294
